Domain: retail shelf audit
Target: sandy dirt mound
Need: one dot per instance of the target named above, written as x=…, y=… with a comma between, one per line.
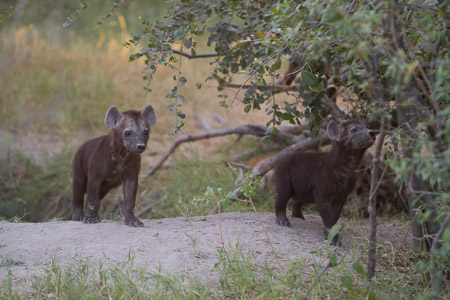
x=166, y=242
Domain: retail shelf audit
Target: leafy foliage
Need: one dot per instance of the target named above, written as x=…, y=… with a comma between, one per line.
x=388, y=61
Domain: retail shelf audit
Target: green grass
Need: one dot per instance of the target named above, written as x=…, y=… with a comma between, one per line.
x=7, y=262
x=188, y=179
x=238, y=276
x=37, y=193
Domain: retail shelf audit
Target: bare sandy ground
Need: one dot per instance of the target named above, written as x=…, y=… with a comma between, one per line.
x=177, y=244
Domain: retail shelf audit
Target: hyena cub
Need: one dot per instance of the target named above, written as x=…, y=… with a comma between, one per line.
x=322, y=178
x=105, y=162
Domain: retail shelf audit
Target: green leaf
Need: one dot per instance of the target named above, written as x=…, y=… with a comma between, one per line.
x=316, y=88
x=209, y=192
x=187, y=43
x=333, y=260
x=225, y=202
x=276, y=65
x=372, y=296
x=183, y=80
x=359, y=268
x=347, y=281
x=333, y=232
x=309, y=78
x=177, y=34
x=234, y=68
x=443, y=36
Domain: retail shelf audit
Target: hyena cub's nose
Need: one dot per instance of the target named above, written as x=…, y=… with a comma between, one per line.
x=141, y=146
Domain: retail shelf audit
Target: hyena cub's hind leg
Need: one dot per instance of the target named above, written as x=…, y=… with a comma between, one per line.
x=297, y=209
x=78, y=190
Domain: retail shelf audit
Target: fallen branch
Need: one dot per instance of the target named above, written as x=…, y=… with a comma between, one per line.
x=258, y=150
x=244, y=129
x=294, y=129
x=240, y=166
x=305, y=144
x=202, y=122
x=144, y=210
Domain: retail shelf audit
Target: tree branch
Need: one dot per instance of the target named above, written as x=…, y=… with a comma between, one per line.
x=194, y=56
x=254, y=72
x=272, y=87
x=437, y=45
x=240, y=166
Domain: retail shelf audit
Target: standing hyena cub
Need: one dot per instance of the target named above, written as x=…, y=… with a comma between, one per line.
x=325, y=178
x=105, y=162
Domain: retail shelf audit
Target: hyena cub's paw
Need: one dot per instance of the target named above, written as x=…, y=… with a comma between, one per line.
x=283, y=222
x=134, y=223
x=77, y=218
x=91, y=220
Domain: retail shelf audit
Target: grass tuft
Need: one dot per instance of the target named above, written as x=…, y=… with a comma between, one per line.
x=7, y=262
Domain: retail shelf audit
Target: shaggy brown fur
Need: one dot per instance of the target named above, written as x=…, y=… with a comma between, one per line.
x=105, y=162
x=324, y=178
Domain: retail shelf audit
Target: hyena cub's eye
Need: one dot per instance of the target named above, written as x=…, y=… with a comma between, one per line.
x=353, y=130
x=145, y=131
x=127, y=132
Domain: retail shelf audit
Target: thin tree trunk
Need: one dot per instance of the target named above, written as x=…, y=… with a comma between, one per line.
x=407, y=120
x=435, y=280
x=373, y=206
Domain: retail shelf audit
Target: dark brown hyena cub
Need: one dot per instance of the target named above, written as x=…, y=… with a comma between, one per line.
x=324, y=178
x=105, y=162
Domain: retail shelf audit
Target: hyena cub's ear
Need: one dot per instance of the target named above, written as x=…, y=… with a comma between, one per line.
x=112, y=117
x=149, y=115
x=334, y=131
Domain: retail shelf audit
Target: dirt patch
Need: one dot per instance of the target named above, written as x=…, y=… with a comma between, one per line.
x=177, y=244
